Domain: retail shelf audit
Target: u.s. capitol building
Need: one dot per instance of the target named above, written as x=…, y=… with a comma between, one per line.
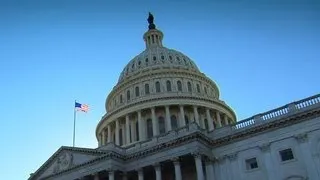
x=166, y=121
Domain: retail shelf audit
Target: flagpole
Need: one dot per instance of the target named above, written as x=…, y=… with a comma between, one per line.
x=74, y=122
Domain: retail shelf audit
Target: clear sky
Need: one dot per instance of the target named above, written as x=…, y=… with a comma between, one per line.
x=262, y=54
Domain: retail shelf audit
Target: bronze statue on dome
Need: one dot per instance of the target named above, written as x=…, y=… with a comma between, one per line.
x=150, y=21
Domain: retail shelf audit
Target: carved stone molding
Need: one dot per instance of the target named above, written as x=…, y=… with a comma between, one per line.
x=175, y=160
x=196, y=154
x=265, y=147
x=301, y=138
x=232, y=156
x=63, y=162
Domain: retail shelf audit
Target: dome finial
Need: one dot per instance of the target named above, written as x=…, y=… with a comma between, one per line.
x=150, y=21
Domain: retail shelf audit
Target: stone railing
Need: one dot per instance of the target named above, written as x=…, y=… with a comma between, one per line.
x=279, y=112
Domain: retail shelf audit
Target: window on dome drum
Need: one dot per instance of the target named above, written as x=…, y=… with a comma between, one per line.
x=137, y=92
x=137, y=132
x=146, y=89
x=179, y=85
x=147, y=60
x=189, y=87
x=139, y=63
x=170, y=57
x=205, y=90
x=198, y=88
x=186, y=119
x=120, y=137
x=162, y=57
x=157, y=86
x=174, y=122
x=251, y=163
x=152, y=37
x=149, y=129
x=286, y=154
x=162, y=127
x=132, y=65
x=121, y=99
x=128, y=95
x=206, y=125
x=168, y=86
x=154, y=58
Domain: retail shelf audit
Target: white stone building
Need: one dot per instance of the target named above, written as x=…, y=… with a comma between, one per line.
x=165, y=121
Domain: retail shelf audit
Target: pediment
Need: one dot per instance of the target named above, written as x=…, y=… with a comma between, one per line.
x=65, y=158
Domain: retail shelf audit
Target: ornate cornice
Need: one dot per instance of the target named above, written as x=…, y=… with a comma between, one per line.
x=301, y=138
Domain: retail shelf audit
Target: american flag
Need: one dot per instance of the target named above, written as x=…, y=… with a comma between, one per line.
x=81, y=107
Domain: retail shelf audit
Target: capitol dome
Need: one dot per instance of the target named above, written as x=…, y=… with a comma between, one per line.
x=159, y=91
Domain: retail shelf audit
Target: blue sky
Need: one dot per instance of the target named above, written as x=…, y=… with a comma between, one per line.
x=261, y=54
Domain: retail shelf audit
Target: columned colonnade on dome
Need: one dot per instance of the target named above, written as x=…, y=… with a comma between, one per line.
x=147, y=123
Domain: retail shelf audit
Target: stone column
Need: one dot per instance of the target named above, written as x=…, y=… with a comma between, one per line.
x=103, y=138
x=226, y=122
x=127, y=129
x=96, y=176
x=177, y=169
x=198, y=162
x=182, y=119
x=133, y=131
x=141, y=127
x=155, y=125
x=209, y=169
x=109, y=133
x=218, y=118
x=168, y=119
x=140, y=174
x=271, y=173
x=111, y=175
x=210, y=122
x=307, y=155
x=117, y=132
x=157, y=168
x=196, y=115
x=233, y=164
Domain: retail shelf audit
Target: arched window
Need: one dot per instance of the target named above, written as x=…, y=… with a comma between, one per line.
x=146, y=89
x=162, y=126
x=206, y=125
x=157, y=86
x=189, y=87
x=137, y=92
x=186, y=119
x=149, y=129
x=168, y=86
x=205, y=90
x=128, y=95
x=179, y=85
x=198, y=88
x=174, y=122
x=121, y=99
x=137, y=131
x=120, y=137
